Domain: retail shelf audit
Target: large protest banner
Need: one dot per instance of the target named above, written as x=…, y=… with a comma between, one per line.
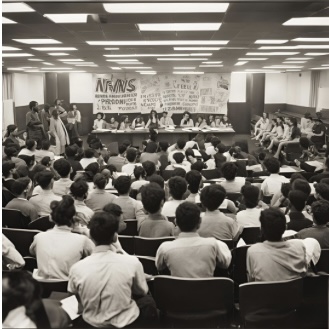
x=129, y=93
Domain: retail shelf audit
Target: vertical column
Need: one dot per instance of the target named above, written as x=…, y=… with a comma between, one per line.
x=63, y=87
x=256, y=93
x=50, y=87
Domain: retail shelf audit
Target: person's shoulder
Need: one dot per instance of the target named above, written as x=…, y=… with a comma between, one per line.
x=255, y=248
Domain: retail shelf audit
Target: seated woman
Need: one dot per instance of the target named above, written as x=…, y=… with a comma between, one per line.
x=200, y=122
x=225, y=121
x=113, y=124
x=261, y=132
x=58, y=249
x=99, y=122
x=211, y=121
x=261, y=124
x=318, y=133
x=12, y=137
x=187, y=120
x=124, y=123
x=280, y=137
x=272, y=133
x=218, y=120
x=153, y=121
x=138, y=122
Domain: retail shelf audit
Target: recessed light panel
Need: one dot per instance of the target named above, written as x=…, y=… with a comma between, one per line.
x=58, y=54
x=157, y=42
x=269, y=41
x=308, y=21
x=240, y=63
x=54, y=48
x=8, y=48
x=316, y=54
x=179, y=27
x=275, y=53
x=196, y=48
x=16, y=7
x=67, y=18
x=37, y=41
x=8, y=21
x=182, y=59
x=16, y=55
x=187, y=72
x=311, y=40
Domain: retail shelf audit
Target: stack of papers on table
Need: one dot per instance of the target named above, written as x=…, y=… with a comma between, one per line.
x=187, y=129
x=101, y=130
x=170, y=129
x=205, y=130
x=140, y=128
x=120, y=131
x=287, y=169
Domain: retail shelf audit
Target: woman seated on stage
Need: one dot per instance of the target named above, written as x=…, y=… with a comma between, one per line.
x=268, y=134
x=261, y=124
x=165, y=120
x=124, y=124
x=211, y=121
x=153, y=121
x=138, y=122
x=200, y=122
x=284, y=137
x=218, y=120
x=187, y=120
x=268, y=129
x=225, y=121
x=99, y=122
x=113, y=124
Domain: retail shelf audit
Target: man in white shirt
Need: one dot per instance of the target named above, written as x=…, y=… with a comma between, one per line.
x=64, y=169
x=165, y=120
x=44, y=152
x=178, y=147
x=11, y=258
x=211, y=150
x=131, y=155
x=193, y=179
x=89, y=157
x=232, y=184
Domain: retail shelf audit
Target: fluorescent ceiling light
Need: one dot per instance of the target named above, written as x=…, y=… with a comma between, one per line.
x=146, y=55
x=200, y=54
x=308, y=21
x=58, y=54
x=79, y=63
x=196, y=48
x=275, y=42
x=187, y=72
x=311, y=40
x=163, y=7
x=316, y=54
x=129, y=63
x=292, y=70
x=218, y=65
x=282, y=67
x=252, y=59
x=216, y=62
x=157, y=42
x=46, y=63
x=16, y=55
x=8, y=48
x=325, y=65
x=35, y=59
x=295, y=47
x=115, y=68
x=136, y=67
x=15, y=69
x=122, y=60
x=240, y=63
x=320, y=68
x=184, y=67
x=182, y=59
x=71, y=60
x=67, y=18
x=278, y=47
x=298, y=58
x=16, y=7
x=179, y=27
x=148, y=73
x=111, y=48
x=37, y=41
x=294, y=62
x=61, y=71
x=274, y=53
x=54, y=48
x=90, y=65
x=7, y=21
x=56, y=68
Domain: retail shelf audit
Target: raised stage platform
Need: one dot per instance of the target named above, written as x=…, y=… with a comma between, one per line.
x=136, y=137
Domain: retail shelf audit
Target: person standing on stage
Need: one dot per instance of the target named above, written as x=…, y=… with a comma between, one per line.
x=34, y=127
x=45, y=117
x=99, y=122
x=74, y=120
x=60, y=110
x=57, y=129
x=165, y=120
x=153, y=121
x=187, y=120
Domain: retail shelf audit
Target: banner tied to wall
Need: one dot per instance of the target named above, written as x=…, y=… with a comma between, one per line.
x=129, y=93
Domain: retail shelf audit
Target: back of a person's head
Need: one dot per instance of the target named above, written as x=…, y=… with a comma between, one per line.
x=325, y=181
x=181, y=143
x=20, y=185
x=22, y=171
x=139, y=172
x=62, y=212
x=96, y=145
x=44, y=178
x=93, y=168
x=273, y=224
x=149, y=168
x=208, y=138
x=212, y=196
x=261, y=156
x=45, y=161
x=131, y=154
x=113, y=209
x=153, y=197
x=250, y=195
x=151, y=147
x=198, y=166
x=100, y=181
x=45, y=145
x=322, y=190
x=272, y=165
x=158, y=180
x=188, y=217
x=63, y=167
x=302, y=185
x=10, y=151
x=180, y=172
x=122, y=184
x=193, y=179
x=215, y=141
x=304, y=142
x=295, y=176
x=153, y=135
x=320, y=211
x=89, y=153
x=177, y=187
x=29, y=160
x=229, y=170
x=7, y=168
x=126, y=143
x=221, y=148
x=188, y=153
x=178, y=157
x=70, y=151
x=103, y=226
x=30, y=144
x=122, y=149
x=285, y=189
x=163, y=146
x=297, y=199
x=79, y=188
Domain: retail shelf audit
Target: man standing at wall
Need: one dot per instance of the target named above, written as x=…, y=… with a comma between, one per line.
x=34, y=127
x=45, y=117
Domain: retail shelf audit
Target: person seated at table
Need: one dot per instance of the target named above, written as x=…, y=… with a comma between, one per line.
x=275, y=259
x=232, y=184
x=138, y=122
x=225, y=121
x=153, y=121
x=124, y=123
x=211, y=121
x=194, y=182
x=99, y=122
x=113, y=124
x=187, y=120
x=200, y=122
x=218, y=120
x=165, y=120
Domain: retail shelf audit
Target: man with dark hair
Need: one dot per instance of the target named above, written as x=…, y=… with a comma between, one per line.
x=178, y=147
x=11, y=153
x=20, y=189
x=116, y=211
x=149, y=168
x=99, y=198
x=250, y=216
x=232, y=184
x=70, y=155
x=211, y=150
x=320, y=230
x=131, y=156
x=131, y=208
x=322, y=191
x=163, y=154
x=89, y=157
x=8, y=169
x=34, y=127
x=193, y=179
x=297, y=203
x=29, y=149
x=42, y=201
x=155, y=225
x=275, y=259
x=63, y=169
x=178, y=162
x=118, y=160
x=190, y=255
x=44, y=152
x=107, y=299
x=214, y=223
x=177, y=188
x=45, y=117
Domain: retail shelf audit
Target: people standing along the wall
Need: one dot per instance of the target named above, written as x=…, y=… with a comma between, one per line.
x=73, y=121
x=99, y=122
x=165, y=120
x=45, y=117
x=138, y=122
x=58, y=131
x=153, y=121
x=124, y=123
x=187, y=120
x=34, y=127
x=318, y=135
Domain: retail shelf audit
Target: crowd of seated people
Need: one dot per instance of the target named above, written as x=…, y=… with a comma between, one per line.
x=90, y=192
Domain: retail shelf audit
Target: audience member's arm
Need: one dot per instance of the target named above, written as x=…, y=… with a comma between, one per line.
x=313, y=250
x=88, y=247
x=11, y=256
x=122, y=225
x=139, y=213
x=159, y=259
x=171, y=148
x=231, y=207
x=33, y=246
x=250, y=274
x=139, y=286
x=224, y=255
x=236, y=230
x=276, y=199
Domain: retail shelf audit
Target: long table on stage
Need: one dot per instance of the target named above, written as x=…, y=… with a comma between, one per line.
x=136, y=137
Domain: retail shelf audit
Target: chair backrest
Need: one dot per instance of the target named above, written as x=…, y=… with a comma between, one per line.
x=42, y=224
x=211, y=173
x=7, y=196
x=48, y=286
x=14, y=219
x=267, y=198
x=251, y=235
x=127, y=243
x=323, y=263
x=233, y=196
x=230, y=243
x=239, y=261
x=148, y=264
x=149, y=246
x=22, y=239
x=131, y=228
x=166, y=174
x=193, y=295
x=30, y=263
x=261, y=300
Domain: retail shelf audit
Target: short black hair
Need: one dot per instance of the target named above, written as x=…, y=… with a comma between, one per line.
x=149, y=167
x=193, y=179
x=10, y=150
x=221, y=148
x=302, y=185
x=215, y=141
x=29, y=160
x=45, y=144
x=7, y=166
x=178, y=157
x=198, y=166
x=188, y=152
x=45, y=161
x=89, y=153
x=296, y=175
x=250, y=195
x=229, y=170
x=93, y=168
x=273, y=224
x=181, y=143
x=62, y=212
x=70, y=151
x=20, y=185
x=63, y=167
x=323, y=190
x=261, y=156
x=122, y=149
x=103, y=226
x=285, y=189
x=272, y=165
x=30, y=143
x=157, y=179
x=79, y=188
x=44, y=178
x=113, y=209
x=131, y=154
x=179, y=172
x=320, y=210
x=122, y=184
x=177, y=187
x=164, y=146
x=325, y=181
x=188, y=216
x=212, y=196
x=100, y=181
x=152, y=196
x=297, y=199
x=139, y=172
x=151, y=147
x=32, y=104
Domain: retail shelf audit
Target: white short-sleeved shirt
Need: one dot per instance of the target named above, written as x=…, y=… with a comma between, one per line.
x=272, y=184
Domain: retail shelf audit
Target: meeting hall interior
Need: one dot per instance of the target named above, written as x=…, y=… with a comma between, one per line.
x=165, y=164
